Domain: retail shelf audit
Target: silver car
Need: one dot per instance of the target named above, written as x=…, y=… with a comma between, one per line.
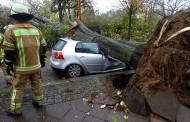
x=76, y=58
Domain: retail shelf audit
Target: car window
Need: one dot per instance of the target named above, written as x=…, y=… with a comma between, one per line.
x=90, y=48
x=82, y=47
x=79, y=48
x=59, y=45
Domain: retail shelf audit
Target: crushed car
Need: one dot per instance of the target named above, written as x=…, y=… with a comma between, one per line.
x=75, y=58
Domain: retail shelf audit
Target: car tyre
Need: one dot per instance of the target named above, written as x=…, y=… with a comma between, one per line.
x=74, y=70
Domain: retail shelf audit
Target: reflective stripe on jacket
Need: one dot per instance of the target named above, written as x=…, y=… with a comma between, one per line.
x=1, y=46
x=26, y=40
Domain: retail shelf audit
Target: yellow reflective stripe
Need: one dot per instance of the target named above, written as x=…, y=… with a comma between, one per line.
x=21, y=52
x=15, y=105
x=38, y=48
x=30, y=68
x=25, y=32
x=13, y=95
x=1, y=39
x=43, y=41
x=9, y=44
x=2, y=52
x=37, y=98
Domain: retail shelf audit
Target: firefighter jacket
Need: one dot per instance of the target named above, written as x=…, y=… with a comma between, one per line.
x=27, y=41
x=1, y=46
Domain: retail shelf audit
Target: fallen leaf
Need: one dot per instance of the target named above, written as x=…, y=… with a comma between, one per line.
x=115, y=107
x=119, y=93
x=122, y=103
x=88, y=113
x=103, y=106
x=85, y=100
x=126, y=109
x=114, y=119
x=125, y=117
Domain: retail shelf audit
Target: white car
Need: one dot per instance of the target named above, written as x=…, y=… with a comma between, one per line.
x=76, y=58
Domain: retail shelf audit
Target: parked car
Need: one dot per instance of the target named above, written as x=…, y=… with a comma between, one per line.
x=76, y=58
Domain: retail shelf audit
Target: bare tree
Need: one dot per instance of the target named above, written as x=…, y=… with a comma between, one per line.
x=168, y=7
x=35, y=5
x=19, y=1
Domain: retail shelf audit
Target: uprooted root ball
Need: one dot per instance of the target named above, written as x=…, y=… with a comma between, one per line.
x=165, y=66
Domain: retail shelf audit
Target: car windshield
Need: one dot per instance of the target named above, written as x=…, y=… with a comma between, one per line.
x=59, y=45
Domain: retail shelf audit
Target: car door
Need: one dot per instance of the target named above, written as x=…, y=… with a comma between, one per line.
x=90, y=56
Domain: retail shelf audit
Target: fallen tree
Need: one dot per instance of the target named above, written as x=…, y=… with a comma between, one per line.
x=128, y=52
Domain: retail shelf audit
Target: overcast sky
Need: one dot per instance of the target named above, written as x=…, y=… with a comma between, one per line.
x=102, y=5
x=5, y=2
x=106, y=5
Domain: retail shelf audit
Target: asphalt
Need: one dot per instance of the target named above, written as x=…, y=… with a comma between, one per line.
x=69, y=100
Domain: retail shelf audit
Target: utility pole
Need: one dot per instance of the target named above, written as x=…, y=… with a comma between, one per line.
x=79, y=10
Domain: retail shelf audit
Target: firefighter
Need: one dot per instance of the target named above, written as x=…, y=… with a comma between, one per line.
x=24, y=51
x=3, y=66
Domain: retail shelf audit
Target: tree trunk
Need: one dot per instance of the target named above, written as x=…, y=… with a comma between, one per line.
x=60, y=8
x=129, y=26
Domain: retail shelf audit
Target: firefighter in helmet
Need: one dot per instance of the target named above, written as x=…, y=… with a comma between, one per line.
x=24, y=50
x=3, y=66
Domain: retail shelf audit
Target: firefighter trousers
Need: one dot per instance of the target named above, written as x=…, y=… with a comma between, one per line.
x=19, y=83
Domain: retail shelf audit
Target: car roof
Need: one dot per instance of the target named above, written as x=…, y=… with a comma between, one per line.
x=67, y=39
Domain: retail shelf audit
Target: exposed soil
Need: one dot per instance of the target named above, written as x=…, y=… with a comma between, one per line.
x=165, y=67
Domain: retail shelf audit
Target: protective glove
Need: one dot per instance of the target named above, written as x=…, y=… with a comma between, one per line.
x=10, y=70
x=42, y=61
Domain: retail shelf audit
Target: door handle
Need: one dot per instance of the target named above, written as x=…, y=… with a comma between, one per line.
x=82, y=57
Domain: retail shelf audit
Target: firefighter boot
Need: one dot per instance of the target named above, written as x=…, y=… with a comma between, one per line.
x=10, y=113
x=36, y=104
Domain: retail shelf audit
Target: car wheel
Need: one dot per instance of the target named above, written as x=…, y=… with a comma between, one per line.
x=74, y=70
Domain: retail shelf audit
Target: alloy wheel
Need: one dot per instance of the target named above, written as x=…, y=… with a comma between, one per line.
x=74, y=70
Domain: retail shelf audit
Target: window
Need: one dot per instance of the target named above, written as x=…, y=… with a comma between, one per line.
x=78, y=48
x=59, y=45
x=91, y=48
x=83, y=47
